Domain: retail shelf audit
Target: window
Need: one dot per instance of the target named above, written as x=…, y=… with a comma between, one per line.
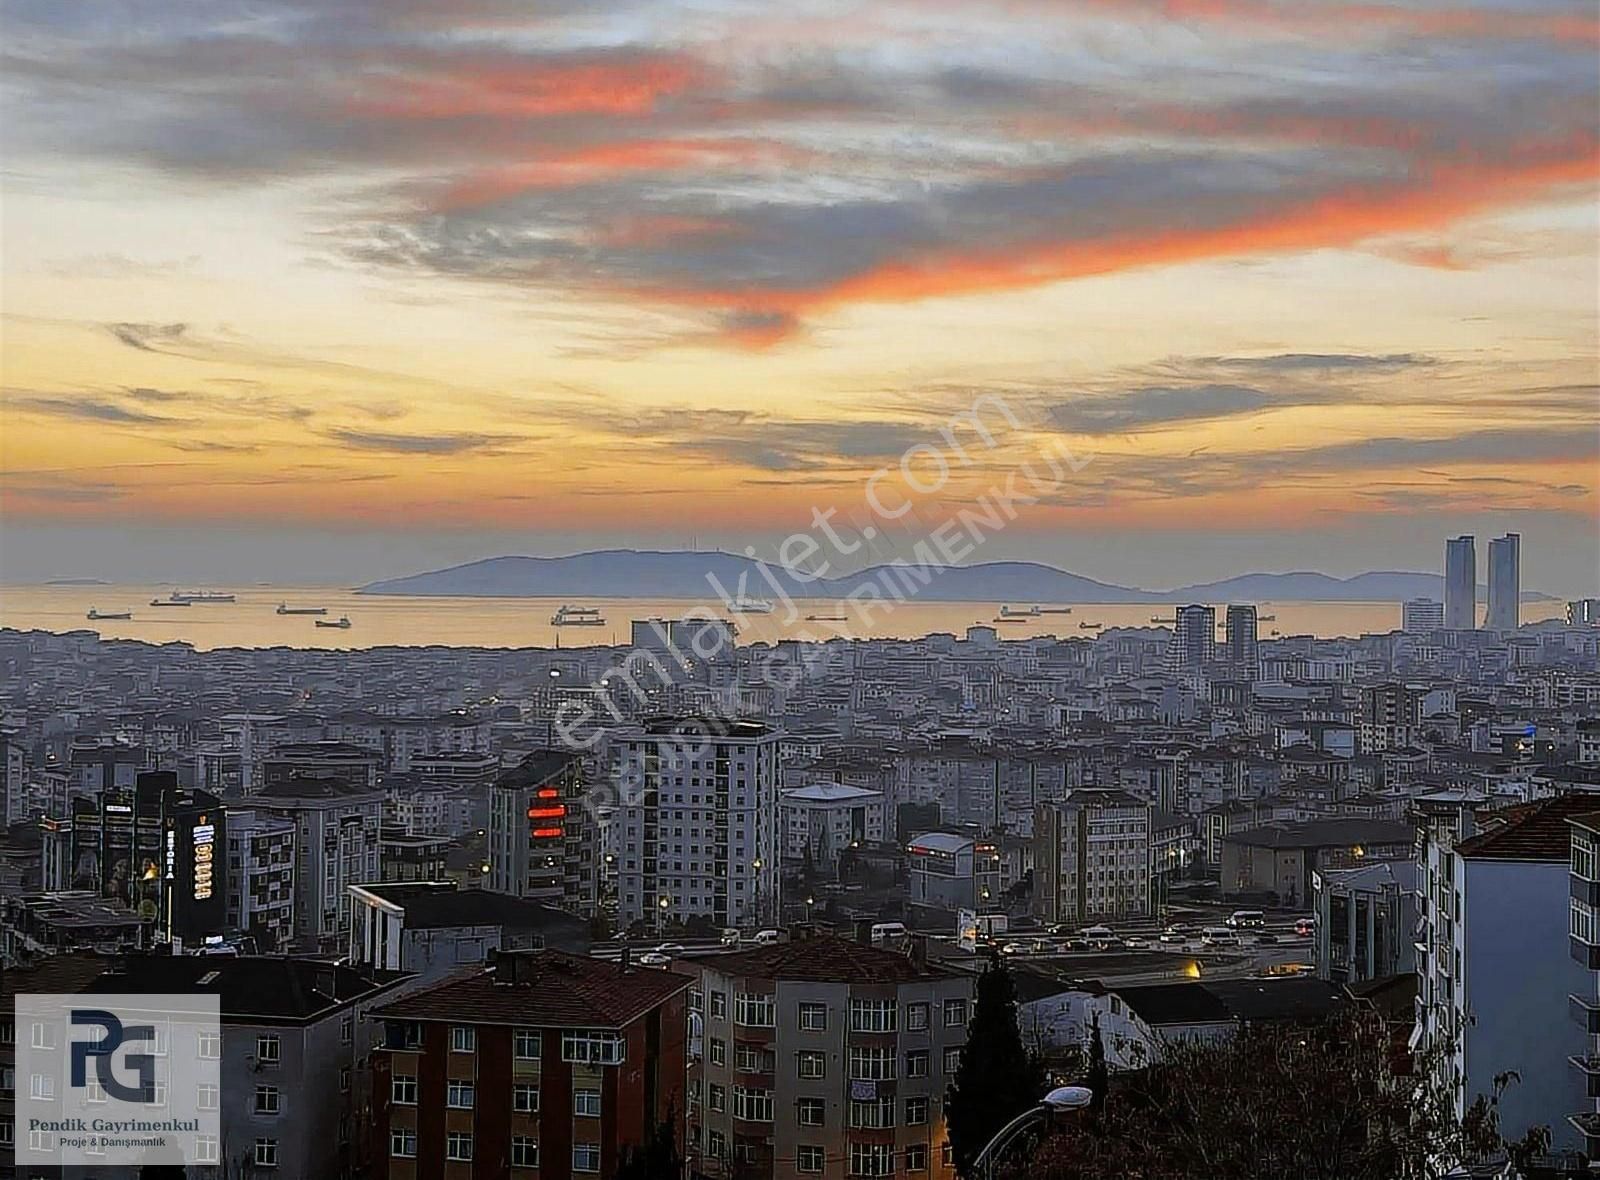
x=93, y=1091
x=403, y=1144
x=205, y=1097
x=810, y=1112
x=269, y=1051
x=524, y=1152
x=873, y=1016
x=1581, y=924
x=525, y=1098
x=719, y=1004
x=752, y=1105
x=716, y=1097
x=751, y=1059
x=347, y=1025
x=403, y=1090
x=586, y=1103
x=1582, y=859
x=809, y=1159
x=43, y=1036
x=714, y=1145
x=916, y=1016
x=38, y=1140
x=585, y=1157
x=267, y=1152
x=955, y=1013
x=917, y=1063
x=463, y=1039
x=207, y=1149
x=42, y=1087
x=916, y=1159
x=753, y=1011
x=458, y=1146
x=460, y=1095
x=719, y=1051
x=872, y=1065
x=697, y=1000
x=208, y=1046
x=871, y=1159
x=813, y=1017
x=812, y=1064
x=873, y=1113
x=917, y=1110
x=952, y=1059
x=526, y=1044
x=266, y=1100
x=593, y=1048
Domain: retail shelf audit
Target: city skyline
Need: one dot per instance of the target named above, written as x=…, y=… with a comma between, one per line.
x=354, y=295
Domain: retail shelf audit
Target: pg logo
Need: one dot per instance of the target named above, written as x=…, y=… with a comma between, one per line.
x=116, y=1035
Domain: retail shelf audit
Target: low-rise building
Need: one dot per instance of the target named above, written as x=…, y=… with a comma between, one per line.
x=544, y=1064
x=1364, y=919
x=1280, y=858
x=823, y=819
x=824, y=1057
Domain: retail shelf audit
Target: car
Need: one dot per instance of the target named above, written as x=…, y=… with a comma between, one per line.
x=1246, y=919
x=670, y=948
x=1134, y=942
x=1171, y=935
x=767, y=938
x=730, y=937
x=1219, y=936
x=654, y=959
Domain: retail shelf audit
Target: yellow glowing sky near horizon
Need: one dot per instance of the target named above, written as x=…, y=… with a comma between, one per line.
x=464, y=269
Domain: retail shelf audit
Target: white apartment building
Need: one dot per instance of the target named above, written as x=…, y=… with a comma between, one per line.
x=337, y=826
x=261, y=860
x=697, y=822
x=1493, y=957
x=823, y=819
x=1092, y=858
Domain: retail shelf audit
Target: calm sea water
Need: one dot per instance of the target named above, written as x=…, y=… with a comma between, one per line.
x=525, y=622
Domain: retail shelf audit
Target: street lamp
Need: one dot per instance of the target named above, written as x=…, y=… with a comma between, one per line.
x=1061, y=1100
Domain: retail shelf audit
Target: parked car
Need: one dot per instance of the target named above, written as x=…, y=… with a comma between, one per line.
x=654, y=959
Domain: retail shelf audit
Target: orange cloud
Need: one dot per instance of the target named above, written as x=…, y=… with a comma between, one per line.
x=533, y=90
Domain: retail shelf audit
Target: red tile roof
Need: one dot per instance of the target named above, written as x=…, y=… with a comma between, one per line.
x=824, y=958
x=1527, y=831
x=543, y=989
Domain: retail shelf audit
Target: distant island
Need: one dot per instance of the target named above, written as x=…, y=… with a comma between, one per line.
x=631, y=573
x=77, y=582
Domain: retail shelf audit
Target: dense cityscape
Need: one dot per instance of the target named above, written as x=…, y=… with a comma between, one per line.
x=718, y=909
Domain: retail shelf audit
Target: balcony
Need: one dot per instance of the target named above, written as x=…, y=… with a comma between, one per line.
x=1590, y=1068
x=1587, y=953
x=1587, y=892
x=1587, y=1125
x=1586, y=1011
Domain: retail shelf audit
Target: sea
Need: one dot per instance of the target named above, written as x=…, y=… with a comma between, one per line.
x=252, y=620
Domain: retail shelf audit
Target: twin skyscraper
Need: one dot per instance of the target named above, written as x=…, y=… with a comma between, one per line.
x=1461, y=583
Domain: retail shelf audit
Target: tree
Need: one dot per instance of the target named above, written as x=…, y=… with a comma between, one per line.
x=657, y=1158
x=997, y=1079
x=1325, y=1102
x=1098, y=1078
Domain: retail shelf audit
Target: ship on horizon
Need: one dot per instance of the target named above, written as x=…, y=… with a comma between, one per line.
x=342, y=622
x=285, y=609
x=120, y=614
x=185, y=597
x=577, y=616
x=751, y=606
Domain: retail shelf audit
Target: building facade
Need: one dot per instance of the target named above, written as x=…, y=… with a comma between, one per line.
x=544, y=1065
x=823, y=1058
x=1461, y=583
x=1505, y=583
x=1092, y=858
x=542, y=842
x=697, y=822
x=261, y=860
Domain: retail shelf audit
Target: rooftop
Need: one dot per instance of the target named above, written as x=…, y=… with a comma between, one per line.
x=537, y=768
x=1528, y=831
x=436, y=905
x=1244, y=1001
x=543, y=989
x=706, y=725
x=261, y=986
x=1325, y=833
x=825, y=958
x=831, y=793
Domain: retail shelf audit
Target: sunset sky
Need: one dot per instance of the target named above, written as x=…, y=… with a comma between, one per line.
x=330, y=290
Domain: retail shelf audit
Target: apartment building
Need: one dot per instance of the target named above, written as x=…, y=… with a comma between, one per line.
x=261, y=860
x=821, y=820
x=337, y=829
x=1493, y=953
x=543, y=841
x=823, y=1058
x=1364, y=919
x=545, y=1066
x=1092, y=858
x=1583, y=936
x=697, y=822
